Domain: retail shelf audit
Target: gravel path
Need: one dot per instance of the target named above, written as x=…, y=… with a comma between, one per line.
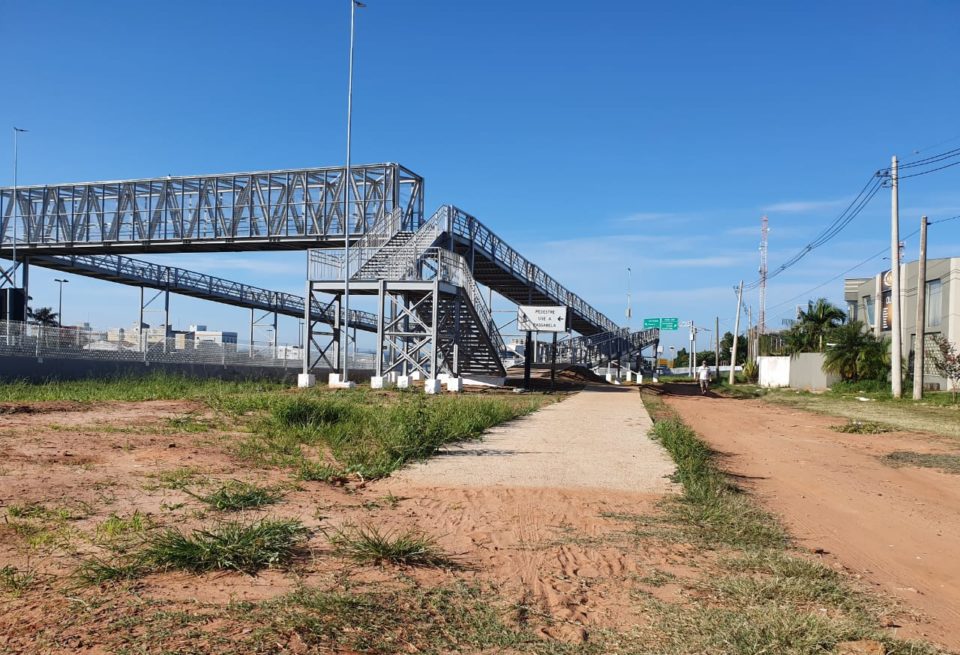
x=596, y=439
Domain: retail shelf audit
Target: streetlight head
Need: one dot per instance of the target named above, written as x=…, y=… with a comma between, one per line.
x=19, y=129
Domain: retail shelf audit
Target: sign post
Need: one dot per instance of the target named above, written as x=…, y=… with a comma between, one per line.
x=541, y=319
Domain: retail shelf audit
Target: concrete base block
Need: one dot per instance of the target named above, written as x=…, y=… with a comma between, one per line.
x=640, y=378
x=335, y=383
x=431, y=386
x=655, y=379
x=416, y=375
x=403, y=382
x=609, y=377
x=377, y=382
x=306, y=380
x=454, y=384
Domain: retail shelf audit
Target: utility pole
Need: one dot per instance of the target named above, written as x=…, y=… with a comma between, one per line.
x=896, y=355
x=762, y=319
x=693, y=350
x=918, y=347
x=751, y=351
x=736, y=335
x=716, y=345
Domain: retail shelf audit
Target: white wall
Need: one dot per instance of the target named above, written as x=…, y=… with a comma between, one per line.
x=774, y=371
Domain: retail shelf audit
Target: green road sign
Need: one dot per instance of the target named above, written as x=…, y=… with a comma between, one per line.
x=651, y=323
x=668, y=323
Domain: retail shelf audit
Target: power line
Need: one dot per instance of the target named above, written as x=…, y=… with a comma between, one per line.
x=862, y=199
x=856, y=206
x=856, y=266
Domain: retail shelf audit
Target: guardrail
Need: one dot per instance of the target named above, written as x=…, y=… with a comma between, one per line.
x=43, y=341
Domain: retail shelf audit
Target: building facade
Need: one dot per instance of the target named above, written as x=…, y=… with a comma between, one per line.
x=868, y=300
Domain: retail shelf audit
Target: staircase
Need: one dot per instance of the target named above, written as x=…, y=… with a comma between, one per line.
x=468, y=341
x=378, y=262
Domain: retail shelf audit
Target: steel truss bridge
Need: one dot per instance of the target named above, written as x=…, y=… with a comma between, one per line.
x=85, y=228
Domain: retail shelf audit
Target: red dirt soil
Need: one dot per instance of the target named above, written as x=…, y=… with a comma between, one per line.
x=898, y=528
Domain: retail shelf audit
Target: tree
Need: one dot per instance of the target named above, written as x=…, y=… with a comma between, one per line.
x=946, y=362
x=809, y=332
x=726, y=346
x=854, y=353
x=43, y=316
x=682, y=359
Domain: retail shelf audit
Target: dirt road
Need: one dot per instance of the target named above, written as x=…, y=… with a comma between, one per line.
x=899, y=528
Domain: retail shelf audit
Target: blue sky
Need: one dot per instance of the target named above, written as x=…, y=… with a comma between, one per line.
x=591, y=136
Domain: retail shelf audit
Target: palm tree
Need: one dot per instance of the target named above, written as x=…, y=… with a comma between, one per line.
x=43, y=316
x=854, y=353
x=821, y=317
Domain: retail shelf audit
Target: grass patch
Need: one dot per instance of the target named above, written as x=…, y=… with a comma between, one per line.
x=190, y=423
x=944, y=462
x=311, y=471
x=455, y=618
x=15, y=581
x=97, y=571
x=177, y=479
x=40, y=512
x=118, y=527
x=156, y=386
x=237, y=495
x=863, y=427
x=368, y=545
x=372, y=434
x=710, y=504
x=230, y=546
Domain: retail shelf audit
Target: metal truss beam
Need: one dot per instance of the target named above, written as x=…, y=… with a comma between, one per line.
x=139, y=273
x=267, y=210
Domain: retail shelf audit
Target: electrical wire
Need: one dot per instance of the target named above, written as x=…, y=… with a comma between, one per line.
x=877, y=181
x=856, y=206
x=856, y=266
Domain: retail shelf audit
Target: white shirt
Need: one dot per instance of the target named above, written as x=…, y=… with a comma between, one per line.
x=704, y=372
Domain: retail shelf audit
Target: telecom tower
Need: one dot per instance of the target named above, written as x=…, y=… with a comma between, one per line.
x=762, y=320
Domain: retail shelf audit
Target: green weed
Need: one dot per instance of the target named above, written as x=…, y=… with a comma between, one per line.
x=370, y=435
x=237, y=495
x=367, y=544
x=15, y=580
x=243, y=547
x=863, y=427
x=115, y=526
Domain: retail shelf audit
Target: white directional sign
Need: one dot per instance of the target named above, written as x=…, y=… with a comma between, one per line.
x=541, y=319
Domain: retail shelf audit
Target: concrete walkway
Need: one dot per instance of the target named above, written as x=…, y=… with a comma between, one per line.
x=597, y=439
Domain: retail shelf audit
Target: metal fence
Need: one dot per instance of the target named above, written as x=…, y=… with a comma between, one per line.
x=43, y=341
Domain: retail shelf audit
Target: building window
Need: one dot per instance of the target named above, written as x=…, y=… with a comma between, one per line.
x=934, y=306
x=868, y=303
x=851, y=310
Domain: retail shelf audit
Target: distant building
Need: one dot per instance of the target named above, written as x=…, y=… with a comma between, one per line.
x=868, y=300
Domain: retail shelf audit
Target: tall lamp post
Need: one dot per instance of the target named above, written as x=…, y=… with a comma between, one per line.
x=629, y=286
x=345, y=352
x=16, y=170
x=60, y=308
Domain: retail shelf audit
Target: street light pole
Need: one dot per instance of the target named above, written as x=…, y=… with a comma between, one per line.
x=16, y=171
x=345, y=351
x=629, y=287
x=60, y=308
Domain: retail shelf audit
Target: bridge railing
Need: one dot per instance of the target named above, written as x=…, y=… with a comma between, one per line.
x=159, y=276
x=467, y=227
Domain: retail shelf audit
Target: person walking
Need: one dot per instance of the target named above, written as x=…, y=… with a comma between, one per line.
x=704, y=376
